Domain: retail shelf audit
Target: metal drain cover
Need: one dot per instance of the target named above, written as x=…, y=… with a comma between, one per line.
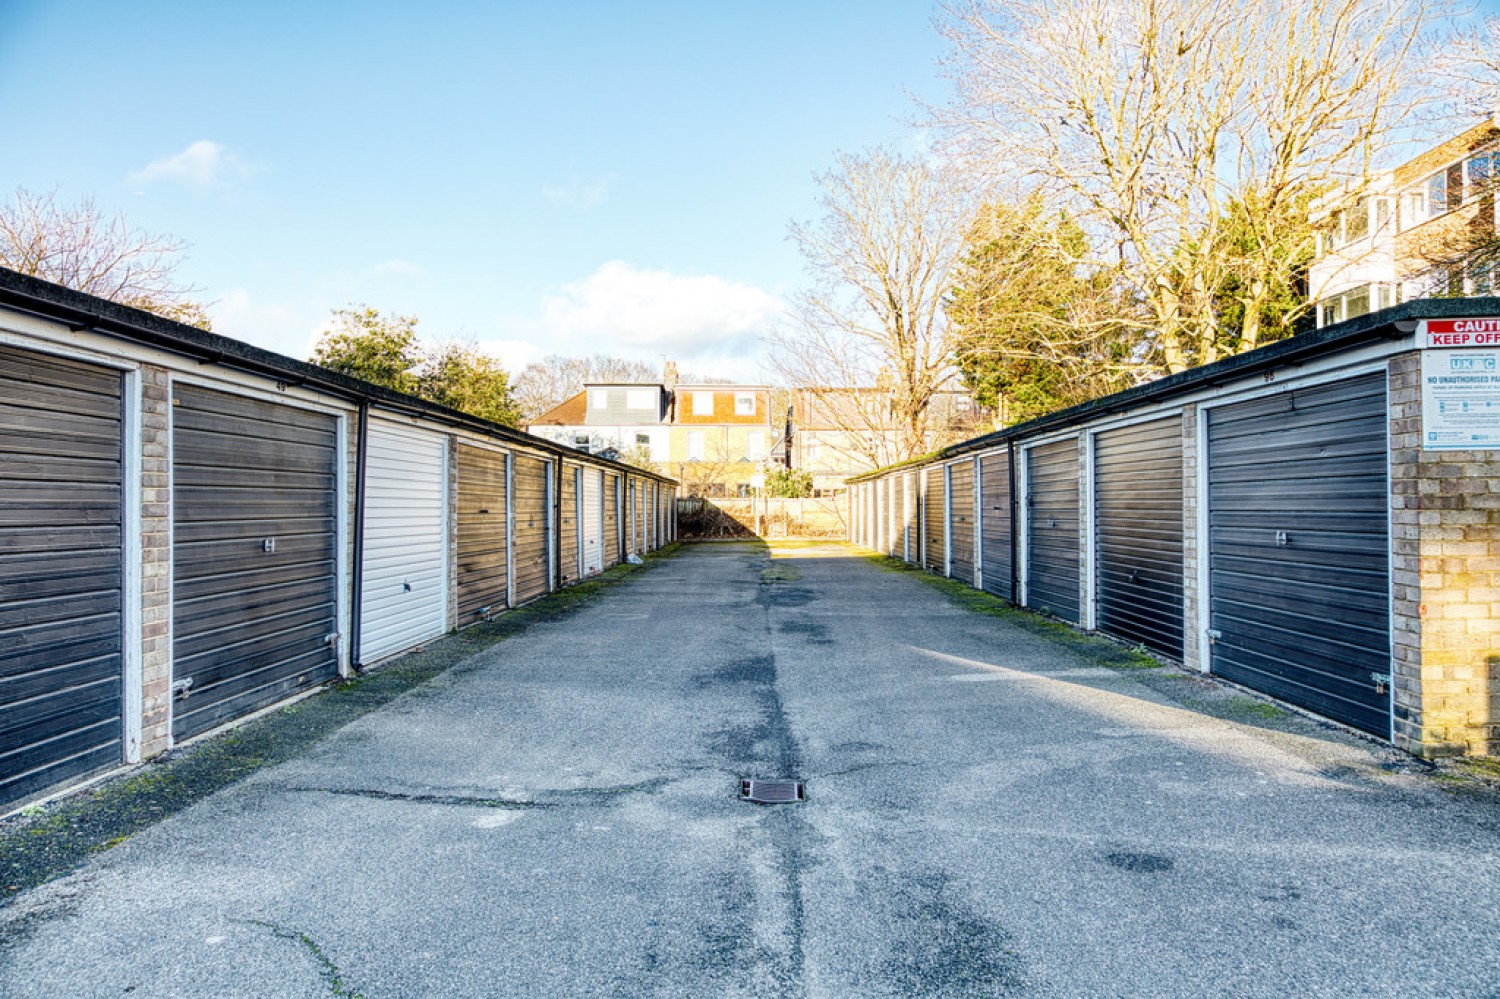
x=773, y=792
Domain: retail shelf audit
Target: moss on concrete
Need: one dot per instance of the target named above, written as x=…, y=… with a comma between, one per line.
x=1096, y=647
x=43, y=842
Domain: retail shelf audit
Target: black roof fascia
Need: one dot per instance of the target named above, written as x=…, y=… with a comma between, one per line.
x=80, y=312
x=1387, y=324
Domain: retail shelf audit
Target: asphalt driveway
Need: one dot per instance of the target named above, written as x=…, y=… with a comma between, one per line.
x=990, y=811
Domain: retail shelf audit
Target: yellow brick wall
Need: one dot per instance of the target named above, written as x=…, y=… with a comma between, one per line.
x=1445, y=526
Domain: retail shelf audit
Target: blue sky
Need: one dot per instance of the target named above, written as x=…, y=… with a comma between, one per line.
x=546, y=179
x=543, y=178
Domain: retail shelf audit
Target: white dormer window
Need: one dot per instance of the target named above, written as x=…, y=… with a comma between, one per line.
x=744, y=404
x=703, y=404
x=598, y=398
x=639, y=398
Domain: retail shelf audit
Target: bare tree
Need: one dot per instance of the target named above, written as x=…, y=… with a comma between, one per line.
x=881, y=260
x=1184, y=134
x=82, y=248
x=1468, y=68
x=555, y=379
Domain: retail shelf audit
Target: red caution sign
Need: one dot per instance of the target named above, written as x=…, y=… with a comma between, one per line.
x=1461, y=333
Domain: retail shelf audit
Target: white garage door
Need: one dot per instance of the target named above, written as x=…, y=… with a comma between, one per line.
x=593, y=520
x=403, y=585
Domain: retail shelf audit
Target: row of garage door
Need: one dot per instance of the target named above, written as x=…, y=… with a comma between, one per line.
x=1092, y=526
x=256, y=497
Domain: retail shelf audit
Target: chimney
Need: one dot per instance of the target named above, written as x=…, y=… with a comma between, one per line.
x=669, y=376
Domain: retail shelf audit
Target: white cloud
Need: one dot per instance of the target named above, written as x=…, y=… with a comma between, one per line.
x=581, y=195
x=286, y=329
x=202, y=164
x=705, y=322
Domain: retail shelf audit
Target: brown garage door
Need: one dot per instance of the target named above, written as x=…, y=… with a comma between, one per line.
x=532, y=524
x=482, y=555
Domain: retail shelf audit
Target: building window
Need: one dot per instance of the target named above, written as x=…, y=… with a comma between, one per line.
x=640, y=398
x=1429, y=200
x=1481, y=171
x=581, y=441
x=598, y=399
x=744, y=404
x=1436, y=189
x=643, y=440
x=755, y=445
x=695, y=445
x=1356, y=302
x=1357, y=222
x=703, y=404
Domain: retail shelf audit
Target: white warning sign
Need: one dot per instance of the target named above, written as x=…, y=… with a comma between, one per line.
x=1460, y=399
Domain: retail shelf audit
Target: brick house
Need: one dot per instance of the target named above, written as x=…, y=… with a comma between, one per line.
x=718, y=436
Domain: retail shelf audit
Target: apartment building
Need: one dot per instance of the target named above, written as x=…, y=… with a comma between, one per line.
x=1425, y=229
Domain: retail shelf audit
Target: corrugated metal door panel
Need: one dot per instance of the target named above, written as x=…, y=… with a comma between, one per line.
x=887, y=515
x=1052, y=532
x=995, y=509
x=568, y=529
x=962, y=473
x=628, y=513
x=254, y=554
x=857, y=516
x=635, y=516
x=404, y=577
x=893, y=515
x=650, y=519
x=593, y=520
x=531, y=524
x=1298, y=548
x=61, y=571
x=612, y=542
x=482, y=555
x=908, y=513
x=893, y=518
x=934, y=524
x=1138, y=534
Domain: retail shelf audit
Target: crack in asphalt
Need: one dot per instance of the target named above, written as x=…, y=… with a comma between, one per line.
x=551, y=799
x=329, y=971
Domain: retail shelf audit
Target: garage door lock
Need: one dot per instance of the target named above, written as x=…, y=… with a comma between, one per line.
x=181, y=688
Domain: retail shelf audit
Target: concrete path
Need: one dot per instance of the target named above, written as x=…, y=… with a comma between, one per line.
x=990, y=812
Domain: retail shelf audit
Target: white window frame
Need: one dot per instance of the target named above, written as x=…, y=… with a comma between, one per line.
x=696, y=441
x=744, y=404
x=703, y=403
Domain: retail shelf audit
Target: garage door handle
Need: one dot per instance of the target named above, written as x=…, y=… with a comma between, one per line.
x=1214, y=634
